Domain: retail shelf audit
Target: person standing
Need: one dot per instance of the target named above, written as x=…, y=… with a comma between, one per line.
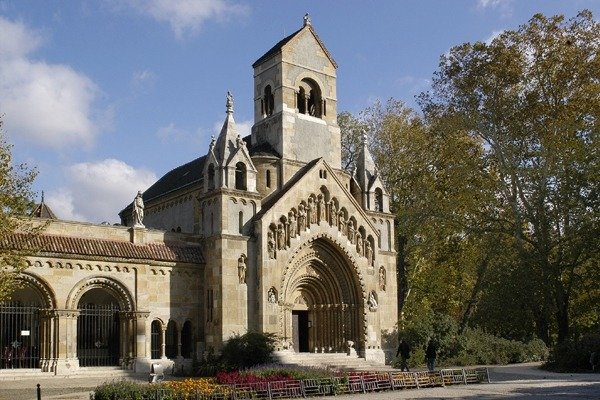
x=404, y=352
x=430, y=354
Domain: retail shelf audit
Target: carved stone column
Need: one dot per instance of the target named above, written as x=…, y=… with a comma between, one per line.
x=66, y=341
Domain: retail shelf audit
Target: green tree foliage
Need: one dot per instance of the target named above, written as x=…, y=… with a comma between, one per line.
x=15, y=202
x=532, y=97
x=496, y=186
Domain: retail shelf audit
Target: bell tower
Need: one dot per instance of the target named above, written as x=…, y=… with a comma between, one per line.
x=295, y=101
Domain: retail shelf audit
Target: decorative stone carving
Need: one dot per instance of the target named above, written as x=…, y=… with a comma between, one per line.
x=280, y=237
x=359, y=244
x=242, y=268
x=351, y=231
x=342, y=223
x=301, y=218
x=293, y=224
x=138, y=211
x=368, y=252
x=312, y=211
x=372, y=301
x=322, y=213
x=333, y=214
x=272, y=295
x=271, y=244
x=382, y=278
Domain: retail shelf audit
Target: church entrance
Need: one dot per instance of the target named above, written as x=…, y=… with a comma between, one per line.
x=323, y=301
x=300, y=325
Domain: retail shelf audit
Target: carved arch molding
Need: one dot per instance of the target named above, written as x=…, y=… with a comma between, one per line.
x=322, y=279
x=118, y=290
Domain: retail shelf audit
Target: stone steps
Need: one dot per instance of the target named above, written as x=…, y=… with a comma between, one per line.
x=339, y=361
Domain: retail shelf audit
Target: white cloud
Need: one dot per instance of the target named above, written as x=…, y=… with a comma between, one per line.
x=46, y=104
x=187, y=16
x=493, y=36
x=505, y=6
x=171, y=133
x=97, y=191
x=143, y=80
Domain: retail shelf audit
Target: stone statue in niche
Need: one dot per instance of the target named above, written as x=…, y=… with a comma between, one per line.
x=369, y=252
x=272, y=296
x=359, y=244
x=293, y=225
x=280, y=237
x=342, y=223
x=301, y=218
x=382, y=278
x=242, y=268
x=312, y=211
x=351, y=231
x=322, y=213
x=271, y=245
x=333, y=214
x=137, y=213
x=372, y=301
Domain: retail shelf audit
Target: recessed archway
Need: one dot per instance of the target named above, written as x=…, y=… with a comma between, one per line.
x=323, y=299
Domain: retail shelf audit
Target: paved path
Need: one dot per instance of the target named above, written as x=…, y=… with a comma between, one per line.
x=521, y=381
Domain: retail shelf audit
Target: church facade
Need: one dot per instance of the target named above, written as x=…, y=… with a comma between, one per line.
x=265, y=232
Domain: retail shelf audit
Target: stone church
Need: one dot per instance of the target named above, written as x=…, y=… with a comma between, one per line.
x=265, y=232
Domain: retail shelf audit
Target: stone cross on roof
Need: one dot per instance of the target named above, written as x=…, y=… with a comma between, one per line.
x=306, y=19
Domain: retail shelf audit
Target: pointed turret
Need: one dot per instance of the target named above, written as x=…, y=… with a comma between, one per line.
x=43, y=211
x=228, y=162
x=374, y=197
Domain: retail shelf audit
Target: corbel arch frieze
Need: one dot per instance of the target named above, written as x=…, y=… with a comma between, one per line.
x=113, y=286
x=300, y=256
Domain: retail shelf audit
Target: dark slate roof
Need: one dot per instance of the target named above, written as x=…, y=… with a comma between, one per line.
x=103, y=248
x=177, y=178
x=288, y=185
x=263, y=149
x=277, y=48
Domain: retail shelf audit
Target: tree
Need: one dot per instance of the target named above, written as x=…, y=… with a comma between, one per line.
x=15, y=203
x=439, y=190
x=532, y=98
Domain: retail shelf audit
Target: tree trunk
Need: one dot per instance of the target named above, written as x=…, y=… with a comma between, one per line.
x=470, y=309
x=402, y=275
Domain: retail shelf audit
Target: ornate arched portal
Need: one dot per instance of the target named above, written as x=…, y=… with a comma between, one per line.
x=323, y=299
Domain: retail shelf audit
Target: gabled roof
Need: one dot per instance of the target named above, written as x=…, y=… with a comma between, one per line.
x=177, y=178
x=277, y=48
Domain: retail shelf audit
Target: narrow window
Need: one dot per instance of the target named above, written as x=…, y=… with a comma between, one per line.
x=155, y=339
x=378, y=200
x=268, y=178
x=240, y=176
x=269, y=101
x=302, y=101
x=186, y=340
x=211, y=177
x=241, y=221
x=171, y=340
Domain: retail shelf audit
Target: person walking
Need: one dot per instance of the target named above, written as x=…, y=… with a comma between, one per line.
x=430, y=354
x=404, y=352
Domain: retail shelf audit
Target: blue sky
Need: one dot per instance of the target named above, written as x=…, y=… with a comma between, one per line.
x=104, y=97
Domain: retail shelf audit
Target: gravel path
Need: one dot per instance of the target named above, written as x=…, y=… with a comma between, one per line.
x=521, y=381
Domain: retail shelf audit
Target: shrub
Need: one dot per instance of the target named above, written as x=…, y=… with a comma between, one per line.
x=574, y=355
x=123, y=390
x=247, y=350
